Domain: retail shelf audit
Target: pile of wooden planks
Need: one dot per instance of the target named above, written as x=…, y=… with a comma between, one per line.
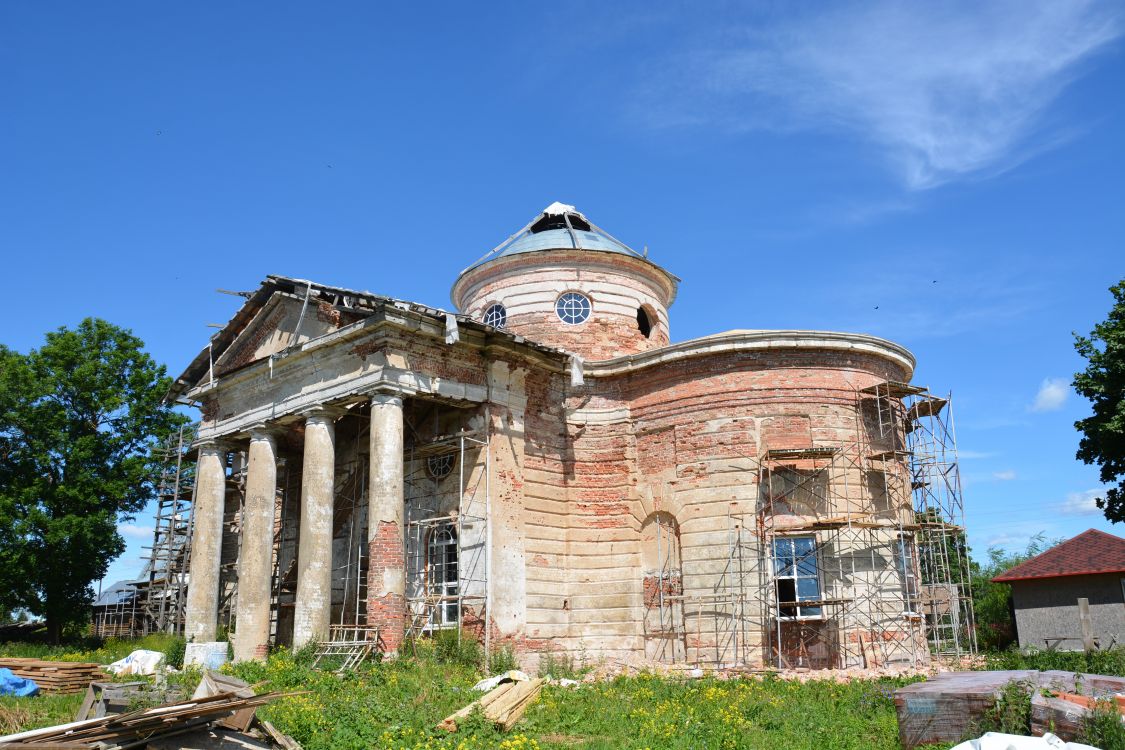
x=504, y=705
x=136, y=728
x=55, y=676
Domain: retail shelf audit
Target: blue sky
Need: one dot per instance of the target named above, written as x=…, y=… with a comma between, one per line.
x=951, y=176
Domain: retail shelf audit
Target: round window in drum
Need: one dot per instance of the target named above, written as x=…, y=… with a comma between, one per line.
x=496, y=316
x=440, y=466
x=573, y=308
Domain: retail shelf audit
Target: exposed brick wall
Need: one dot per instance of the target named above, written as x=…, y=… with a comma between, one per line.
x=617, y=286
x=388, y=612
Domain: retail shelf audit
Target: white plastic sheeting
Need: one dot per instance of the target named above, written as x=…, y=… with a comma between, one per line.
x=998, y=741
x=140, y=661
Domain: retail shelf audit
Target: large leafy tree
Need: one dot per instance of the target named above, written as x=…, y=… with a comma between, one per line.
x=78, y=419
x=1103, y=383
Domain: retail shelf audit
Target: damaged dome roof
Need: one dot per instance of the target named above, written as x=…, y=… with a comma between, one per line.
x=559, y=227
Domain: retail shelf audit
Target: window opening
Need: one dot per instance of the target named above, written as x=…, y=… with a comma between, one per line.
x=644, y=323
x=797, y=577
x=441, y=465
x=573, y=308
x=496, y=316
x=441, y=574
x=905, y=562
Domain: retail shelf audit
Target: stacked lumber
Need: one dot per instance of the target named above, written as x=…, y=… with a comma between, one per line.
x=504, y=705
x=55, y=676
x=136, y=728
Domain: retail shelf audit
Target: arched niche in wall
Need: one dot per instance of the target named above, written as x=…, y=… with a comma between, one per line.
x=662, y=588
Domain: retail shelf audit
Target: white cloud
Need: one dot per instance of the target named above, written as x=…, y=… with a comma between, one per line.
x=1004, y=476
x=968, y=455
x=944, y=90
x=1051, y=396
x=134, y=531
x=1081, y=503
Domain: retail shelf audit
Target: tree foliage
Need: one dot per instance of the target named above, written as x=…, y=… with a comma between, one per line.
x=78, y=419
x=992, y=602
x=1103, y=383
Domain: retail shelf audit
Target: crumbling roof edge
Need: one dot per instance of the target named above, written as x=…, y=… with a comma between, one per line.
x=198, y=367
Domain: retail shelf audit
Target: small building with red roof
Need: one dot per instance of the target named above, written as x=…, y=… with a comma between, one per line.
x=1046, y=590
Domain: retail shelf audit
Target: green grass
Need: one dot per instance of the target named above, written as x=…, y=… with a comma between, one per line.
x=396, y=705
x=95, y=650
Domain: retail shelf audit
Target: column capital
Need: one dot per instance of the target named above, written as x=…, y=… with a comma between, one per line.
x=214, y=445
x=264, y=431
x=386, y=396
x=322, y=413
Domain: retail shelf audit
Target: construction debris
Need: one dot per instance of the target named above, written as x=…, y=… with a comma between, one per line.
x=139, y=662
x=104, y=698
x=503, y=705
x=55, y=676
x=219, y=715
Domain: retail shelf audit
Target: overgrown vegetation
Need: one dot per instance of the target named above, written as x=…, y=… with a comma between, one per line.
x=397, y=705
x=1011, y=714
x=1109, y=662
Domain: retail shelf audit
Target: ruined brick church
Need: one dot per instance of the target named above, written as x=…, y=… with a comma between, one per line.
x=545, y=468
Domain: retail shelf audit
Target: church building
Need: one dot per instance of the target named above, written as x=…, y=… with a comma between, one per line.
x=545, y=468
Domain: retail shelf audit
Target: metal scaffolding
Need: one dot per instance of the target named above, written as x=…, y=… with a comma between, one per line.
x=447, y=534
x=855, y=555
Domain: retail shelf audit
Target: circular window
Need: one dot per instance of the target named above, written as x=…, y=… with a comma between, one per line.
x=573, y=308
x=495, y=316
x=440, y=466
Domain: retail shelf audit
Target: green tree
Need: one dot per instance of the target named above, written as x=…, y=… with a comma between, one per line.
x=78, y=419
x=992, y=602
x=1103, y=383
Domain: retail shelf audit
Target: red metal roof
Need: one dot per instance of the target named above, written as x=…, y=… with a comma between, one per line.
x=1090, y=552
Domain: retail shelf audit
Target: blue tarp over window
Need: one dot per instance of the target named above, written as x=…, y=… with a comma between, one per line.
x=19, y=686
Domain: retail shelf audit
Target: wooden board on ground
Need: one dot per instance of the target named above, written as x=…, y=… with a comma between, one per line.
x=504, y=705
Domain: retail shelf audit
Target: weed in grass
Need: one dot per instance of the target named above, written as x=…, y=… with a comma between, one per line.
x=503, y=659
x=1102, y=727
x=1011, y=713
x=561, y=666
x=1108, y=662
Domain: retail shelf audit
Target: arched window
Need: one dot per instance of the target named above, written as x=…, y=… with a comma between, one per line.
x=441, y=574
x=644, y=322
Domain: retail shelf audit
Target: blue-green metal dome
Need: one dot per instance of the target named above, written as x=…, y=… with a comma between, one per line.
x=558, y=227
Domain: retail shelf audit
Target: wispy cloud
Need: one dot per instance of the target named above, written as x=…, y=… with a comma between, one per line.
x=1004, y=476
x=944, y=91
x=135, y=531
x=1051, y=396
x=1081, y=503
x=972, y=455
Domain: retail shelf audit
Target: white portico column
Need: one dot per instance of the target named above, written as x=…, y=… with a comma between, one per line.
x=255, y=560
x=202, y=610
x=386, y=570
x=313, y=610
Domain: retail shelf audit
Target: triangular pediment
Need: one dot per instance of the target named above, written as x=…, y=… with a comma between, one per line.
x=279, y=325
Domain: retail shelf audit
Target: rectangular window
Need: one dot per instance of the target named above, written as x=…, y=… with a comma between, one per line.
x=797, y=577
x=908, y=574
